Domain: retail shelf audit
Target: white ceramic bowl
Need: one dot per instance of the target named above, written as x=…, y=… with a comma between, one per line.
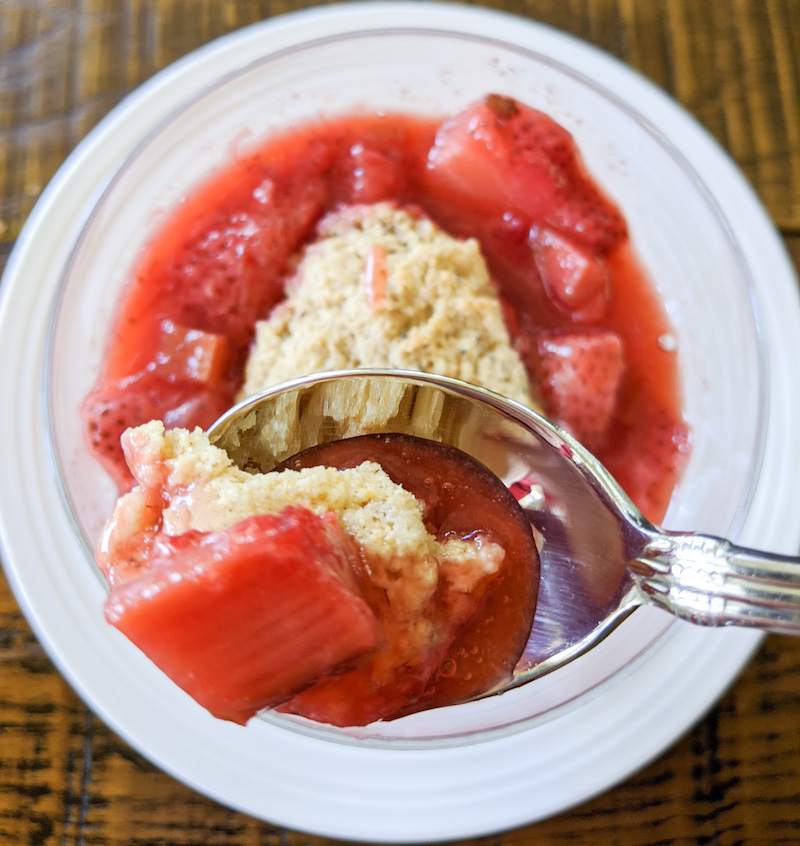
x=667, y=177
x=680, y=235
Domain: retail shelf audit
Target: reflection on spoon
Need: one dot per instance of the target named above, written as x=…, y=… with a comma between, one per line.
x=600, y=558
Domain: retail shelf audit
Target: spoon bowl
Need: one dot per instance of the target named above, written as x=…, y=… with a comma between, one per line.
x=600, y=558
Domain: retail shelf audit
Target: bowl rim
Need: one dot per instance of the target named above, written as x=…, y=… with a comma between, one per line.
x=258, y=66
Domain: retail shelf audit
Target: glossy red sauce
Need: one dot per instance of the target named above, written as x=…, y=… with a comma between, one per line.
x=479, y=649
x=217, y=266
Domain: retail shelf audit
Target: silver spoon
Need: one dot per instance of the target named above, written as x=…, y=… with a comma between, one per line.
x=600, y=558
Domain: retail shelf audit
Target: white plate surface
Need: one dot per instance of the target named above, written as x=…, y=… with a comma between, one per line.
x=324, y=787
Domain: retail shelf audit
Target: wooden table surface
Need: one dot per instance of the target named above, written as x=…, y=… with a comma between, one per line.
x=64, y=777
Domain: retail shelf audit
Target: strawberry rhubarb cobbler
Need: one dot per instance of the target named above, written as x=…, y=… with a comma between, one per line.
x=382, y=575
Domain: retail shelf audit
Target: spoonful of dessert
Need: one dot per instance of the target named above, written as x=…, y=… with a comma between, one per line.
x=599, y=558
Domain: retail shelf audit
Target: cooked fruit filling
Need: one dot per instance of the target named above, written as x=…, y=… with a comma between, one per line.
x=370, y=579
x=329, y=589
x=478, y=247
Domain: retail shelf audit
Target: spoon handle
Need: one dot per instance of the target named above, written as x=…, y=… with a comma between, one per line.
x=712, y=582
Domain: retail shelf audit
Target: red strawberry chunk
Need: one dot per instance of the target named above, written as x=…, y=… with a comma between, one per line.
x=113, y=407
x=226, y=275
x=575, y=280
x=580, y=375
x=214, y=283
x=244, y=619
x=582, y=210
x=520, y=161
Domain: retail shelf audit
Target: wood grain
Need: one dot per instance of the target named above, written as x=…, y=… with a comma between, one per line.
x=67, y=779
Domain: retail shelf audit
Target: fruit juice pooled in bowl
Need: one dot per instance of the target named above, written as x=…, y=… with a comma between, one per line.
x=361, y=582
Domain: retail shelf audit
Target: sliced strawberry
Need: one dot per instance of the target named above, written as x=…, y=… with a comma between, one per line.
x=213, y=284
x=227, y=274
x=244, y=619
x=519, y=160
x=580, y=375
x=575, y=280
x=186, y=353
x=113, y=407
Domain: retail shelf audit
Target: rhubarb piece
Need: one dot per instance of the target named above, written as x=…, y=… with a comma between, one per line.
x=244, y=618
x=376, y=174
x=186, y=353
x=427, y=589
